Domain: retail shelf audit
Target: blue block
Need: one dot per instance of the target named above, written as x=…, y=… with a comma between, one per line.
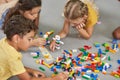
x=118, y=61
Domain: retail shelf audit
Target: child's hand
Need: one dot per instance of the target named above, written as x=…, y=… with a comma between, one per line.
x=36, y=73
x=80, y=26
x=39, y=42
x=52, y=45
x=61, y=76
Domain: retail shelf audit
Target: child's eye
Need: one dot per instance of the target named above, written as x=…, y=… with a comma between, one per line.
x=30, y=39
x=39, y=11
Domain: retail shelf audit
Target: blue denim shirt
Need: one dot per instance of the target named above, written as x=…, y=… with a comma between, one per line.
x=3, y=18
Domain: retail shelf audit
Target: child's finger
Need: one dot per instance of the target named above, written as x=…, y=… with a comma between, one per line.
x=41, y=75
x=78, y=27
x=35, y=75
x=65, y=75
x=52, y=46
x=42, y=43
x=41, y=39
x=83, y=24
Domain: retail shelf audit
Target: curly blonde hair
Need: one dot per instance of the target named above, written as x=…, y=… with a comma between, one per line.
x=75, y=9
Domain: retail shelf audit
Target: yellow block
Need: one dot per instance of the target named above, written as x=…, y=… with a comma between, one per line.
x=47, y=65
x=96, y=71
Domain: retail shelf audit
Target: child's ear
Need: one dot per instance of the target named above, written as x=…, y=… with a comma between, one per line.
x=16, y=38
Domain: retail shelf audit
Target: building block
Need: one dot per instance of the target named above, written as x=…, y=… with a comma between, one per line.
x=46, y=53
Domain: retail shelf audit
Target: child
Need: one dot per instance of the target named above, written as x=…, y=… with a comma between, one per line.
x=19, y=33
x=116, y=33
x=80, y=15
x=30, y=9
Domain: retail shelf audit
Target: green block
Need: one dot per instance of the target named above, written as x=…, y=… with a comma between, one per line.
x=35, y=57
x=98, y=55
x=109, y=58
x=106, y=50
x=47, y=39
x=86, y=77
x=105, y=44
x=62, y=65
x=117, y=76
x=41, y=68
x=103, y=63
x=56, y=72
x=82, y=49
x=104, y=53
x=82, y=60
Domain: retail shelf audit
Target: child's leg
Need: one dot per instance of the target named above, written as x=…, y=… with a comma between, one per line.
x=5, y=6
x=2, y=1
x=116, y=33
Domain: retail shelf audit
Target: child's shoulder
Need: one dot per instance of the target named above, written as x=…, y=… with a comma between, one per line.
x=88, y=1
x=92, y=4
x=5, y=6
x=2, y=40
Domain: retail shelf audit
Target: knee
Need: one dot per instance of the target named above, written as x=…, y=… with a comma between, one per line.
x=116, y=33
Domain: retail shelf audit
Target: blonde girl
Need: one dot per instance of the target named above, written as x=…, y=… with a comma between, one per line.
x=82, y=16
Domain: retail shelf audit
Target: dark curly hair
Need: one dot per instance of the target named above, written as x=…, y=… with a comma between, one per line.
x=18, y=24
x=23, y=5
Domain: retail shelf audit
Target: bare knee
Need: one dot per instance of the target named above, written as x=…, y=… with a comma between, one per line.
x=116, y=33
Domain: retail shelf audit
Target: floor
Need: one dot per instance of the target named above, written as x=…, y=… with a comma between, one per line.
x=51, y=19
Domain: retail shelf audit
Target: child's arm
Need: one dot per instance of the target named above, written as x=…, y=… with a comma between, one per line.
x=38, y=42
x=63, y=33
x=26, y=76
x=85, y=32
x=34, y=72
x=31, y=74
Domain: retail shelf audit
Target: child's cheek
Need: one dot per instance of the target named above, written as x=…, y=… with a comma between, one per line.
x=31, y=18
x=28, y=16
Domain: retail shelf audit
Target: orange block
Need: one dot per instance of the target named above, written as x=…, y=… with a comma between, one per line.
x=82, y=73
x=119, y=45
x=104, y=73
